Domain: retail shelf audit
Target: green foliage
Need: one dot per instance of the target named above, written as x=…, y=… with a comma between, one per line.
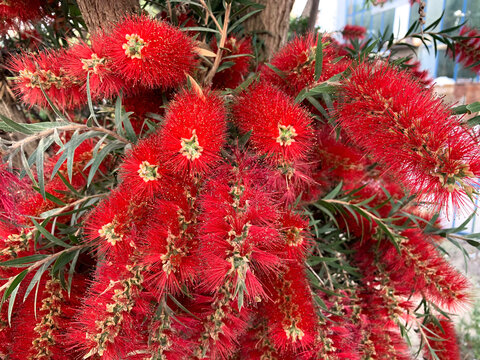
x=469, y=330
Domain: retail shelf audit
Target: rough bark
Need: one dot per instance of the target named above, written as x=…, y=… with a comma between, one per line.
x=271, y=24
x=100, y=13
x=312, y=18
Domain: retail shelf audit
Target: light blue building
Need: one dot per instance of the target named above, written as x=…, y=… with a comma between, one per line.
x=398, y=15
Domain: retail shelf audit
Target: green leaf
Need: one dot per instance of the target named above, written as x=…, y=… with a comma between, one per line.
x=11, y=302
x=71, y=271
x=51, y=197
x=474, y=107
x=242, y=19
x=225, y=65
x=473, y=121
x=118, y=115
x=23, y=261
x=36, y=278
x=54, y=108
x=334, y=192
x=182, y=307
x=199, y=28
x=39, y=163
x=100, y=157
x=276, y=70
x=131, y=135
x=318, y=58
x=15, y=126
x=89, y=100
x=49, y=236
x=26, y=166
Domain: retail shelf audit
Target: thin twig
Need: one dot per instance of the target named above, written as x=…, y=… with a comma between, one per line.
x=75, y=203
x=43, y=261
x=218, y=58
x=48, y=132
x=210, y=13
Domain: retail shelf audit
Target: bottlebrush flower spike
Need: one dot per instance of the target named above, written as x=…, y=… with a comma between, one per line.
x=222, y=323
x=410, y=131
x=441, y=340
x=108, y=306
x=280, y=128
x=142, y=170
x=193, y=132
x=421, y=76
x=234, y=75
x=12, y=191
x=109, y=225
x=172, y=242
x=296, y=61
x=41, y=334
x=24, y=10
x=417, y=269
x=256, y=344
x=143, y=103
x=467, y=50
x=166, y=338
x=294, y=231
x=352, y=32
x=238, y=235
x=150, y=53
x=337, y=160
x=290, y=313
x=82, y=60
x=44, y=71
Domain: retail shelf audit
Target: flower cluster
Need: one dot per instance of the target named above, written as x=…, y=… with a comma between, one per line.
x=242, y=223
x=352, y=32
x=466, y=49
x=410, y=131
x=139, y=53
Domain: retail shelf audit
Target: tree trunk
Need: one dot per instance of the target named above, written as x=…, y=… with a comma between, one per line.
x=100, y=13
x=271, y=24
x=312, y=18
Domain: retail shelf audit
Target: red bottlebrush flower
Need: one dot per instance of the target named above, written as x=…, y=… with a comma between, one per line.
x=467, y=49
x=82, y=60
x=21, y=9
x=41, y=334
x=150, y=53
x=280, y=128
x=234, y=75
x=338, y=161
x=44, y=71
x=352, y=32
x=238, y=234
x=293, y=180
x=222, y=323
x=417, y=269
x=181, y=17
x=167, y=336
x=109, y=226
x=171, y=242
x=290, y=313
x=142, y=170
x=294, y=231
x=11, y=194
x=193, y=132
x=108, y=310
x=410, y=131
x=421, y=76
x=296, y=61
x=141, y=104
x=442, y=341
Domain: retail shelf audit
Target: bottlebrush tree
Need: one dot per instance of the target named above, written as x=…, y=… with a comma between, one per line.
x=183, y=201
